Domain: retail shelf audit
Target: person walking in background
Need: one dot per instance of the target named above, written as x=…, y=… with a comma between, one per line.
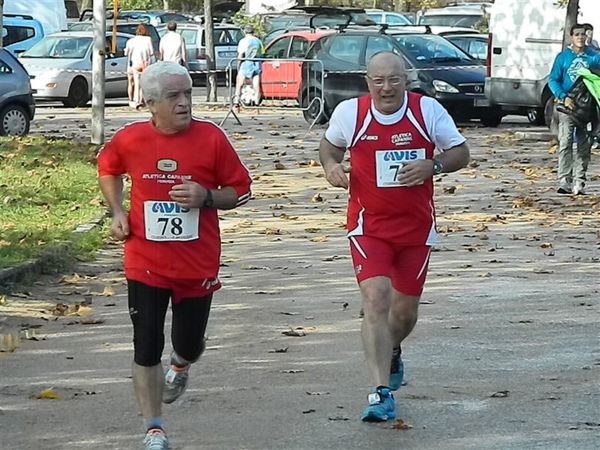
x=248, y=48
x=572, y=164
x=172, y=46
x=391, y=135
x=139, y=52
x=182, y=171
x=589, y=37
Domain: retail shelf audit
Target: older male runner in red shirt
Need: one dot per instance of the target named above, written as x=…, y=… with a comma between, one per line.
x=182, y=170
x=391, y=135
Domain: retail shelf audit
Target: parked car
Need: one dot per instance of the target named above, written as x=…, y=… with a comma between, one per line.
x=20, y=33
x=380, y=16
x=280, y=79
x=123, y=26
x=473, y=44
x=455, y=16
x=327, y=17
x=225, y=38
x=435, y=68
x=60, y=67
x=155, y=18
x=17, y=106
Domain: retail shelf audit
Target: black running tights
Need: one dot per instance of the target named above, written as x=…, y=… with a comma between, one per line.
x=147, y=310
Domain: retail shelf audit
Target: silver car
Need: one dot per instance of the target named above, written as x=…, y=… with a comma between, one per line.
x=60, y=67
x=225, y=38
x=17, y=107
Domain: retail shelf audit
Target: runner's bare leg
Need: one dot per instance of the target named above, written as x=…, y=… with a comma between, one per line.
x=148, y=384
x=378, y=341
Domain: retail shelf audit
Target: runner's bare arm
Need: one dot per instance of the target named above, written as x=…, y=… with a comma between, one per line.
x=331, y=159
x=112, y=189
x=416, y=172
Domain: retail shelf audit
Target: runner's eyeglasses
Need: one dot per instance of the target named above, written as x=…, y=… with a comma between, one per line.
x=380, y=82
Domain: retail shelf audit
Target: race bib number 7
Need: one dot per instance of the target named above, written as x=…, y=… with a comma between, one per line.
x=167, y=221
x=388, y=164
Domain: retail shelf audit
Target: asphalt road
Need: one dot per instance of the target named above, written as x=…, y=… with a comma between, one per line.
x=506, y=353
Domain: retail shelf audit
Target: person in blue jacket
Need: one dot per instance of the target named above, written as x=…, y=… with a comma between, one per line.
x=572, y=165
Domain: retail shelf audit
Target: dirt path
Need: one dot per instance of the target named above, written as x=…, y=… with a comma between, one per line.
x=506, y=354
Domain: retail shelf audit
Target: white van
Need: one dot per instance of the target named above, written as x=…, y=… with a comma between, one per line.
x=525, y=37
x=52, y=14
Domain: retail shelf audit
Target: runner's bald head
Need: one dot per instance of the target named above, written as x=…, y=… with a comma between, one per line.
x=388, y=62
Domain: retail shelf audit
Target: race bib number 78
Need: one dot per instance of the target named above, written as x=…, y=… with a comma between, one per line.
x=167, y=221
x=388, y=164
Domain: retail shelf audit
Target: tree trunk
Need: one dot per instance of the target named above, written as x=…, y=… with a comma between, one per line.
x=211, y=81
x=571, y=19
x=166, y=6
x=399, y=5
x=98, y=72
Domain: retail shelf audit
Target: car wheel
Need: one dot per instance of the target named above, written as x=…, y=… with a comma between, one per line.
x=536, y=116
x=14, y=121
x=492, y=120
x=312, y=109
x=78, y=93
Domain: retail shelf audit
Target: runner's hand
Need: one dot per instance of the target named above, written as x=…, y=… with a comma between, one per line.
x=414, y=173
x=336, y=175
x=120, y=226
x=188, y=194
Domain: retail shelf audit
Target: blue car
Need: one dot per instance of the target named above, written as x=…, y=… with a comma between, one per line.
x=20, y=33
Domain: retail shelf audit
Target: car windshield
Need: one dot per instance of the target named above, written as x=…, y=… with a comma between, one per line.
x=430, y=49
x=284, y=22
x=451, y=20
x=60, y=47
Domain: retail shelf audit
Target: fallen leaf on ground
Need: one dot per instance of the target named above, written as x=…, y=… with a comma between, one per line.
x=399, y=424
x=91, y=321
x=294, y=332
x=292, y=371
x=500, y=394
x=47, y=394
x=279, y=350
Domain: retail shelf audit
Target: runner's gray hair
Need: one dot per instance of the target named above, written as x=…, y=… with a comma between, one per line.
x=154, y=79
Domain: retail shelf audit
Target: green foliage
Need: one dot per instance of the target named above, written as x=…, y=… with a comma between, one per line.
x=50, y=188
x=126, y=5
x=241, y=20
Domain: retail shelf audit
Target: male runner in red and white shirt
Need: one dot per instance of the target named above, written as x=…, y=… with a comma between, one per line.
x=181, y=171
x=391, y=135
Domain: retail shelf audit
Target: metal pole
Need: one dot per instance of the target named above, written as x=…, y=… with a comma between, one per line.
x=98, y=71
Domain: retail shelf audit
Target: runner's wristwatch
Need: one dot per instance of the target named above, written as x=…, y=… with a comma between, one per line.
x=437, y=167
x=209, y=201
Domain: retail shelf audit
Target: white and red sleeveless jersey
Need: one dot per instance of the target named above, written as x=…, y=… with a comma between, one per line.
x=379, y=205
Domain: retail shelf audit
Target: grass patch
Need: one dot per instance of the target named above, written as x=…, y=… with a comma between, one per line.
x=47, y=188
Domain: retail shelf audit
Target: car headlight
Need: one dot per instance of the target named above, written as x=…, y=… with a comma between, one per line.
x=442, y=86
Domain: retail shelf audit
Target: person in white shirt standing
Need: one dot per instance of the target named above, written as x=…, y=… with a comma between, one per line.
x=139, y=52
x=172, y=46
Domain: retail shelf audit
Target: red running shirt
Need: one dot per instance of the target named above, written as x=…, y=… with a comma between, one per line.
x=156, y=162
x=378, y=205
